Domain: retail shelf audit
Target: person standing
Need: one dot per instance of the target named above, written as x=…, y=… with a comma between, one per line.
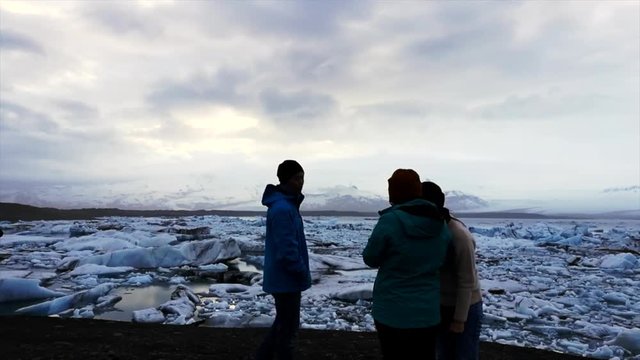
x=286, y=260
x=460, y=294
x=408, y=245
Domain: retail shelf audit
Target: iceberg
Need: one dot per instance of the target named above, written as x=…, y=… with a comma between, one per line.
x=64, y=303
x=18, y=289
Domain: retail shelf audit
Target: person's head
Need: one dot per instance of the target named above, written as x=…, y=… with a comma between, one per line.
x=432, y=192
x=404, y=185
x=291, y=175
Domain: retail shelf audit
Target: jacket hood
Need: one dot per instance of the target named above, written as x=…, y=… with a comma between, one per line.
x=274, y=193
x=419, y=218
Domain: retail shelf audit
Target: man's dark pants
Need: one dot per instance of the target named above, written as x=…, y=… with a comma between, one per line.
x=279, y=340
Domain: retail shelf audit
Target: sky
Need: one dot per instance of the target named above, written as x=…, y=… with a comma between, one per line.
x=158, y=99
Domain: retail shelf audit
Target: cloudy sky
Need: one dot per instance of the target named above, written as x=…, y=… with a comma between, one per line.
x=160, y=99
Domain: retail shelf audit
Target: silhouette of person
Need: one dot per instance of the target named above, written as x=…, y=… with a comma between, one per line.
x=407, y=245
x=286, y=260
x=460, y=294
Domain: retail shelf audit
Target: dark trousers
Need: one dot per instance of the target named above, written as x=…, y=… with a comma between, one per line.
x=279, y=340
x=415, y=343
x=464, y=346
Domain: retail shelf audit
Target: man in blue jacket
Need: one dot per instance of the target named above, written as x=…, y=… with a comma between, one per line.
x=286, y=260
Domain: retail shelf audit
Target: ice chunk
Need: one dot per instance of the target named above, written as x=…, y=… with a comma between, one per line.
x=628, y=339
x=16, y=289
x=619, y=261
x=93, y=269
x=77, y=300
x=142, y=258
x=148, y=316
x=355, y=293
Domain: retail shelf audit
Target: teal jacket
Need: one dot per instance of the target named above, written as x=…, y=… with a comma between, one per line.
x=408, y=245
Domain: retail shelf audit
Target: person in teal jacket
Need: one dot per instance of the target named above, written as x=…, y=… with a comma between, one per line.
x=408, y=245
x=286, y=260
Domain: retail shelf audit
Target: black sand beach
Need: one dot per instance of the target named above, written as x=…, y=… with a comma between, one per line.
x=55, y=338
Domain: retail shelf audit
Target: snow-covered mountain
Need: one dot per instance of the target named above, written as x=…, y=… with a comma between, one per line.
x=344, y=198
x=627, y=189
x=350, y=198
x=336, y=198
x=458, y=201
x=138, y=196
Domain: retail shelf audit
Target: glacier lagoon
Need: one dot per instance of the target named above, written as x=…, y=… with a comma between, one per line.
x=571, y=286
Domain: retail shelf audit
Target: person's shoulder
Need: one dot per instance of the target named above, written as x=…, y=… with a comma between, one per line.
x=281, y=206
x=388, y=213
x=459, y=230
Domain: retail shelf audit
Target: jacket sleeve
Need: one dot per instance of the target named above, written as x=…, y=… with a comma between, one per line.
x=286, y=239
x=465, y=268
x=374, y=253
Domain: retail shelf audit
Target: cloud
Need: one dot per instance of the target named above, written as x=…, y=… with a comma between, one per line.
x=11, y=41
x=37, y=147
x=77, y=109
x=394, y=110
x=520, y=41
x=325, y=64
x=220, y=87
x=138, y=90
x=554, y=106
x=15, y=117
x=124, y=18
x=300, y=107
x=316, y=19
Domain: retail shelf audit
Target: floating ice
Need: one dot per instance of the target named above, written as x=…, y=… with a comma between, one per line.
x=628, y=339
x=180, y=310
x=61, y=304
x=542, y=282
x=14, y=289
x=355, y=293
x=619, y=261
x=93, y=269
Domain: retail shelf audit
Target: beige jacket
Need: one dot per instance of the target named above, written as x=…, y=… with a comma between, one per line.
x=459, y=285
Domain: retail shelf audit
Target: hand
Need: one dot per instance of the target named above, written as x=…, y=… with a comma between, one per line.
x=456, y=327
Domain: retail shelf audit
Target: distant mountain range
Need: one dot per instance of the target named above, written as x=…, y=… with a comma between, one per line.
x=618, y=202
x=628, y=189
x=352, y=199
x=337, y=198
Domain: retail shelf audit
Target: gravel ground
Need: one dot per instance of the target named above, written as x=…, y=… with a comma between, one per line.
x=55, y=338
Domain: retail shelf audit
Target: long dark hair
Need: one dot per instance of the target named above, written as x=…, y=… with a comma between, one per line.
x=433, y=193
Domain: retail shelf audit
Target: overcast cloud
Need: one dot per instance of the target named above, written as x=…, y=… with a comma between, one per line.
x=527, y=100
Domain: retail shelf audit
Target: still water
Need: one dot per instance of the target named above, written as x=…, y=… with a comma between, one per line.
x=138, y=298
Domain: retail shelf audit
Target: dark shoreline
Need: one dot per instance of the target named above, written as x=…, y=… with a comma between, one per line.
x=56, y=338
x=13, y=212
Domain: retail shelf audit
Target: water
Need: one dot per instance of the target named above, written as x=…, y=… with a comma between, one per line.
x=139, y=298
x=241, y=265
x=9, y=308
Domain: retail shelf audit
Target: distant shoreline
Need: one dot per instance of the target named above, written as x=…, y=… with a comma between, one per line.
x=14, y=212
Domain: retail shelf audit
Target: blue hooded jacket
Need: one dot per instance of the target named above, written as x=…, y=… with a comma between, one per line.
x=286, y=260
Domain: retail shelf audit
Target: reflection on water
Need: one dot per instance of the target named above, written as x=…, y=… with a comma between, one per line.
x=139, y=298
x=241, y=265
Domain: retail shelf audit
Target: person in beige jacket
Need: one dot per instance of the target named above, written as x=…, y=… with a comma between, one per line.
x=460, y=295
